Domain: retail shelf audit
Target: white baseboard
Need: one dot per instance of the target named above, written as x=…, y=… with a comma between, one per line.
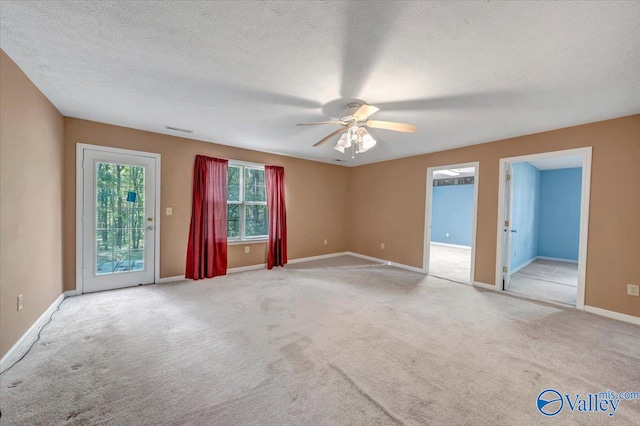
x=525, y=264
x=292, y=261
x=484, y=285
x=70, y=293
x=530, y=261
x=246, y=268
x=556, y=259
x=27, y=339
x=387, y=262
x=307, y=259
x=451, y=245
x=612, y=314
x=328, y=256
x=171, y=279
x=408, y=268
x=320, y=257
x=257, y=266
x=371, y=258
x=229, y=271
x=591, y=309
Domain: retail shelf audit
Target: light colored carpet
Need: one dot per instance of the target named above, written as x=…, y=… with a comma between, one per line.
x=547, y=280
x=452, y=263
x=334, y=342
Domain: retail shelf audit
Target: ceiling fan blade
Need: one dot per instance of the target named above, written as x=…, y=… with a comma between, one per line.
x=321, y=122
x=390, y=125
x=321, y=141
x=364, y=112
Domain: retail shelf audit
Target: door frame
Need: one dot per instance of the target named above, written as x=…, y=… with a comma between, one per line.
x=427, y=214
x=586, y=153
x=80, y=148
x=506, y=254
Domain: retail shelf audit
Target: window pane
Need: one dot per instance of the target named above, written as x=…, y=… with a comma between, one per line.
x=233, y=182
x=119, y=207
x=121, y=261
x=255, y=221
x=136, y=260
x=254, y=189
x=104, y=262
x=233, y=220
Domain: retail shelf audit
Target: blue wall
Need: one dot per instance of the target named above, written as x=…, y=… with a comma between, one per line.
x=559, y=231
x=452, y=212
x=524, y=213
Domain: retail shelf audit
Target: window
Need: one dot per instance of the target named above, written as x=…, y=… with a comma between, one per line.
x=246, y=203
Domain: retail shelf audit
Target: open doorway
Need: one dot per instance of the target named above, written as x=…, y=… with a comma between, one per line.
x=450, y=219
x=543, y=224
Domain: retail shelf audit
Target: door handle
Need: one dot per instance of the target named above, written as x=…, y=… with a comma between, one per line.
x=514, y=230
x=150, y=228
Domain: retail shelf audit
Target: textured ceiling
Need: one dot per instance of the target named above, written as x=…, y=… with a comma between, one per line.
x=244, y=73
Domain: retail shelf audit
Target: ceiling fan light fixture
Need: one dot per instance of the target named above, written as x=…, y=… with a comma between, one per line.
x=344, y=141
x=367, y=142
x=355, y=136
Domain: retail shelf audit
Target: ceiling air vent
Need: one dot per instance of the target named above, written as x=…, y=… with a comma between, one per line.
x=178, y=129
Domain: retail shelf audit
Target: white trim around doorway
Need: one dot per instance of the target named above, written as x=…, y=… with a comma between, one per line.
x=586, y=153
x=427, y=214
x=80, y=148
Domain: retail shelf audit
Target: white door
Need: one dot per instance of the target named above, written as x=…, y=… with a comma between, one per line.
x=506, y=245
x=119, y=198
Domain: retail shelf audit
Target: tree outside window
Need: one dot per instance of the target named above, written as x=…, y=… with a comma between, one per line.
x=246, y=203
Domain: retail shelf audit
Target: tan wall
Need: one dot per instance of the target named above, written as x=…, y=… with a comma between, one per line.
x=31, y=163
x=388, y=200
x=316, y=195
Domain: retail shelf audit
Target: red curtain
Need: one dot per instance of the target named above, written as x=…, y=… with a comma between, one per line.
x=207, y=248
x=274, y=179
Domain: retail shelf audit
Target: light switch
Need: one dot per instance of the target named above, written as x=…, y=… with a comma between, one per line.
x=169, y=211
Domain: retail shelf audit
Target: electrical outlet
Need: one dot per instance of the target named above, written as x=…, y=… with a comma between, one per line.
x=169, y=211
x=382, y=246
x=325, y=242
x=20, y=302
x=247, y=249
x=633, y=290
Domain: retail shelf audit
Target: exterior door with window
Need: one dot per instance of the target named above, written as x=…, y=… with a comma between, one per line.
x=118, y=221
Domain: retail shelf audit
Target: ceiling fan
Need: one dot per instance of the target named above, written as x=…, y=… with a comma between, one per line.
x=353, y=122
